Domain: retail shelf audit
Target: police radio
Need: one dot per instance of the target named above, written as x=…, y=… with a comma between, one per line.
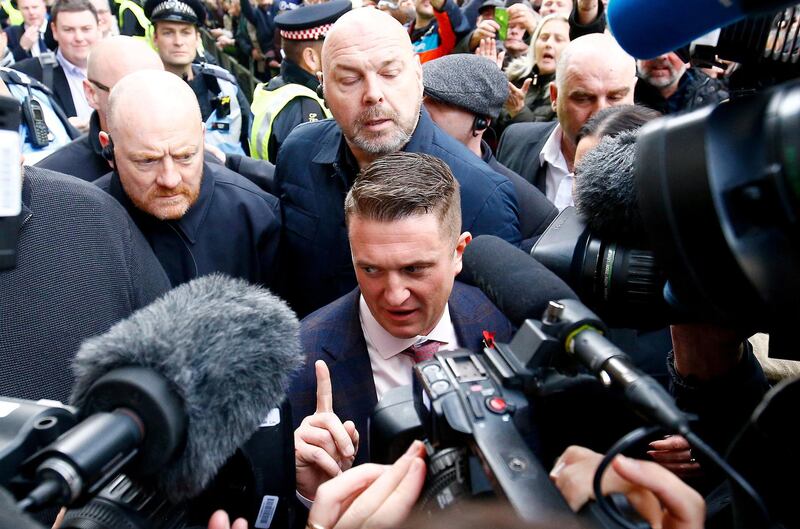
x=39, y=134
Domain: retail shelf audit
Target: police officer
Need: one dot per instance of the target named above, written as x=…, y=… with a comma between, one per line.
x=132, y=20
x=9, y=15
x=44, y=127
x=224, y=107
x=291, y=98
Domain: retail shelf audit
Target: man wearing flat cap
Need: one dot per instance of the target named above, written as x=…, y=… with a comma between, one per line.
x=224, y=107
x=291, y=98
x=463, y=94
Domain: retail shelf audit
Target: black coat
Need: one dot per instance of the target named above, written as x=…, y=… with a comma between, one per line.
x=233, y=228
x=519, y=149
x=536, y=212
x=61, y=91
x=695, y=90
x=81, y=157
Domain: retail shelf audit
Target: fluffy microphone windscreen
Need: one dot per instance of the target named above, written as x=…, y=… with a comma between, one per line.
x=227, y=347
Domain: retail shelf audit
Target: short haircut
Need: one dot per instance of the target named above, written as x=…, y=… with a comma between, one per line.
x=404, y=184
x=613, y=120
x=293, y=49
x=71, y=6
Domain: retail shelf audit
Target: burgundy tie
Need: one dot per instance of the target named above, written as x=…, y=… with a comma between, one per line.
x=423, y=351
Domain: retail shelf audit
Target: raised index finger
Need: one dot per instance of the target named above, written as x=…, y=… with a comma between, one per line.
x=324, y=387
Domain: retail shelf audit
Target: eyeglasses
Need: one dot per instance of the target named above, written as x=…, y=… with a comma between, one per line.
x=101, y=86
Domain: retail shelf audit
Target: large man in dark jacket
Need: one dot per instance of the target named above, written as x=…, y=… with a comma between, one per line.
x=373, y=87
x=81, y=266
x=199, y=218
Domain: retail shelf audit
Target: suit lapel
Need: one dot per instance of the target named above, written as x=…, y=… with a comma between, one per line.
x=539, y=176
x=347, y=352
x=62, y=91
x=469, y=331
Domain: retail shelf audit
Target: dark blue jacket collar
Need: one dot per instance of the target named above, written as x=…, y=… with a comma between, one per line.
x=191, y=223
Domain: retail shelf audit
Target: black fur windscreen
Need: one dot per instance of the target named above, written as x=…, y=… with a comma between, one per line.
x=605, y=188
x=227, y=347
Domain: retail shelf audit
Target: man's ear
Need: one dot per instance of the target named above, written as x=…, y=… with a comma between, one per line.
x=463, y=241
x=312, y=59
x=105, y=139
x=91, y=94
x=553, y=95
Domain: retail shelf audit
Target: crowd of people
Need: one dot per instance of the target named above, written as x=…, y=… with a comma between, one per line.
x=381, y=138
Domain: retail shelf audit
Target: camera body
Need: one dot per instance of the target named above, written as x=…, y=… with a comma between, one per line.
x=473, y=410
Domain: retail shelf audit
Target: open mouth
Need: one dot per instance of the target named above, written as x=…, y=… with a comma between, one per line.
x=400, y=314
x=376, y=123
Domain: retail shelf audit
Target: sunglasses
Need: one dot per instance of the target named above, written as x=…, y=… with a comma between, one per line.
x=101, y=86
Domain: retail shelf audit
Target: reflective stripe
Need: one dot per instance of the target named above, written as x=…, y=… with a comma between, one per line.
x=138, y=12
x=14, y=15
x=266, y=105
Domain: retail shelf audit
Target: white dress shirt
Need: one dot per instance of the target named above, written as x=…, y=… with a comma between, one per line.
x=390, y=368
x=558, y=179
x=75, y=76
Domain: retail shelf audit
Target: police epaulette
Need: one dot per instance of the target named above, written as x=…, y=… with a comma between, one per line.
x=11, y=76
x=218, y=72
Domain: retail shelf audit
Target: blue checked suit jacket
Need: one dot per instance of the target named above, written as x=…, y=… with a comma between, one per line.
x=333, y=334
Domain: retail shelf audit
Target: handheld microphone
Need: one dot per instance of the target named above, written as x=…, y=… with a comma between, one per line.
x=582, y=334
x=605, y=189
x=209, y=358
x=518, y=284
x=649, y=28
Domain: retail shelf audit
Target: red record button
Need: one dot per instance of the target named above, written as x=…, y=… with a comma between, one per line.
x=496, y=404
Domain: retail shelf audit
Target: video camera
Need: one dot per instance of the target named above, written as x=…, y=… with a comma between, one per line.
x=474, y=409
x=96, y=460
x=56, y=455
x=718, y=194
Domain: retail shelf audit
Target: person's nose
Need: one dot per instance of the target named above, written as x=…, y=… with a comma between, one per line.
x=395, y=292
x=169, y=176
x=373, y=90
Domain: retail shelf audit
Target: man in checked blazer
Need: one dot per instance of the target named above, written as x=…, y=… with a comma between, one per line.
x=404, y=224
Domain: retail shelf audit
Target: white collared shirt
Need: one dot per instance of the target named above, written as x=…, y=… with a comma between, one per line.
x=390, y=368
x=75, y=76
x=558, y=180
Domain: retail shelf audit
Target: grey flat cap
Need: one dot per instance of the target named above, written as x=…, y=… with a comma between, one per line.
x=467, y=81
